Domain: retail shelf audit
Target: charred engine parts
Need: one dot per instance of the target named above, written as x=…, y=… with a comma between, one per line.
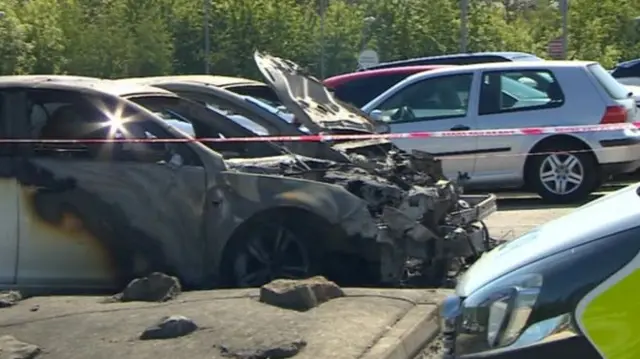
x=427, y=228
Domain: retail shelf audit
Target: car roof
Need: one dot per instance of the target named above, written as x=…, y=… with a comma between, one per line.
x=340, y=79
x=218, y=81
x=507, y=55
x=497, y=66
x=629, y=63
x=81, y=84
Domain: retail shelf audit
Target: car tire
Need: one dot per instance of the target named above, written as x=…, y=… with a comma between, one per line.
x=556, y=165
x=276, y=246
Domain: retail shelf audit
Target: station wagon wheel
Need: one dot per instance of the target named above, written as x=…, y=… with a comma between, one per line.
x=563, y=173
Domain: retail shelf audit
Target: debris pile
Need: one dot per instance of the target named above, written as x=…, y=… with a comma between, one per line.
x=9, y=298
x=408, y=196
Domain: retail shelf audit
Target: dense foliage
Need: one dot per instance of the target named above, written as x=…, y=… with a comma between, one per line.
x=118, y=38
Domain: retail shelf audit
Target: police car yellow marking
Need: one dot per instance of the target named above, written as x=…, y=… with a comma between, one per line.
x=611, y=317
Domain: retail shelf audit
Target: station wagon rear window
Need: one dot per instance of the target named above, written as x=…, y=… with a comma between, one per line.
x=611, y=85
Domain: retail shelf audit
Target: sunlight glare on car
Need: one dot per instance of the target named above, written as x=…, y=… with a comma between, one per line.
x=115, y=121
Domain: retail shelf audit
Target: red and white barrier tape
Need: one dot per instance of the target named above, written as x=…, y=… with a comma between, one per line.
x=329, y=137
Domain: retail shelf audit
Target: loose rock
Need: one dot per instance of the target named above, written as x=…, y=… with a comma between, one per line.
x=157, y=287
x=275, y=351
x=299, y=295
x=12, y=348
x=170, y=327
x=9, y=298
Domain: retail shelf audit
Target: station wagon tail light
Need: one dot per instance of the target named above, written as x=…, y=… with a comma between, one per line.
x=614, y=114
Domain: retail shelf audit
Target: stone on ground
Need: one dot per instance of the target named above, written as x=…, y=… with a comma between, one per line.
x=157, y=287
x=280, y=350
x=12, y=348
x=173, y=326
x=300, y=295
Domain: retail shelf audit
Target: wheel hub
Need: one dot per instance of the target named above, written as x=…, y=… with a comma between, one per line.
x=561, y=174
x=270, y=254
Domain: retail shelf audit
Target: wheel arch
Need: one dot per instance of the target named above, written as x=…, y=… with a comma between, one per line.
x=546, y=142
x=332, y=236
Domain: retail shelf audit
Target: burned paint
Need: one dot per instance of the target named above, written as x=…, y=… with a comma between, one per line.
x=58, y=248
x=178, y=217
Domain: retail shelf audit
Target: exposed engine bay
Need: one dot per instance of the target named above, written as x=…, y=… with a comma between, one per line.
x=429, y=230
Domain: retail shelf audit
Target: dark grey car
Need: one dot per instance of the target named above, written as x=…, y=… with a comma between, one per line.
x=96, y=214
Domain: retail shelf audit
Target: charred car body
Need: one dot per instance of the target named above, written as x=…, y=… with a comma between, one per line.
x=96, y=214
x=318, y=111
x=448, y=220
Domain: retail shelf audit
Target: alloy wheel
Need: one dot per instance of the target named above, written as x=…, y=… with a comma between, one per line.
x=561, y=173
x=269, y=253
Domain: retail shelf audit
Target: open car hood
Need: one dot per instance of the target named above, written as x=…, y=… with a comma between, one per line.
x=308, y=99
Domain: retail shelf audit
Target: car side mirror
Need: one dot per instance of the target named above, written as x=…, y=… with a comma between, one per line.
x=376, y=115
x=380, y=125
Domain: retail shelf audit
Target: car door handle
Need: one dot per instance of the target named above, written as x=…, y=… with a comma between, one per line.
x=460, y=128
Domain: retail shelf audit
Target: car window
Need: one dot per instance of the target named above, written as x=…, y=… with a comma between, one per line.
x=239, y=119
x=68, y=115
x=610, y=85
x=522, y=88
x=207, y=122
x=177, y=121
x=280, y=111
x=429, y=99
x=231, y=111
x=360, y=91
x=264, y=92
x=512, y=91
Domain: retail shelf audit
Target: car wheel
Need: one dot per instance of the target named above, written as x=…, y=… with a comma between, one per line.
x=271, y=250
x=560, y=174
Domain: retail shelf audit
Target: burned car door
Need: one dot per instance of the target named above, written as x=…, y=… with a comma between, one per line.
x=96, y=214
x=9, y=192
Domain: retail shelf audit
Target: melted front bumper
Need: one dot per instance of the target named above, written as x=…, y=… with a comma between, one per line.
x=463, y=236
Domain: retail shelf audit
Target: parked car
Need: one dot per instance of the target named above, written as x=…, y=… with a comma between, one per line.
x=375, y=157
x=627, y=72
x=81, y=215
x=559, y=167
x=282, y=121
x=448, y=211
x=239, y=85
x=358, y=88
x=458, y=59
x=542, y=296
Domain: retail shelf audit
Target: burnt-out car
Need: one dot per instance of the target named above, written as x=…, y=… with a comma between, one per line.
x=83, y=211
x=378, y=177
x=262, y=117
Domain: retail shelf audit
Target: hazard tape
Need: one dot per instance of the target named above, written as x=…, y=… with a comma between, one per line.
x=332, y=137
x=522, y=154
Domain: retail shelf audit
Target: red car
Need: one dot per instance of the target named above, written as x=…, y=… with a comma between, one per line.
x=358, y=88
